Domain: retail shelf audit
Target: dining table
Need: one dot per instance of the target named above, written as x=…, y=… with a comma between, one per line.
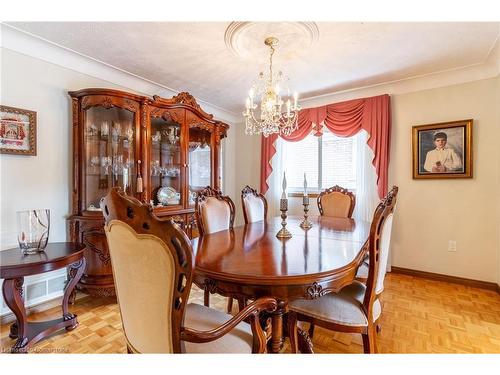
x=248, y=261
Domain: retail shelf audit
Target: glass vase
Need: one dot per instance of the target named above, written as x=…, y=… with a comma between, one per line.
x=33, y=230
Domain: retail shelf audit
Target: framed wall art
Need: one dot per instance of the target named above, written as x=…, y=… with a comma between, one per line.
x=442, y=150
x=17, y=131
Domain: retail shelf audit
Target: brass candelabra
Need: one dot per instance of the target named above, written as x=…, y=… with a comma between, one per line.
x=305, y=224
x=283, y=232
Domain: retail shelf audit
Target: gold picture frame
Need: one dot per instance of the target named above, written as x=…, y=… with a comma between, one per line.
x=17, y=131
x=442, y=150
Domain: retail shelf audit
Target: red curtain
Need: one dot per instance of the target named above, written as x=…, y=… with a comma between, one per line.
x=343, y=119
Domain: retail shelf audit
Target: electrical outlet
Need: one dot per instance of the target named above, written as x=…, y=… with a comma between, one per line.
x=452, y=245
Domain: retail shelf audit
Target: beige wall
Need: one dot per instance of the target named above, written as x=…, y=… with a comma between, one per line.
x=432, y=212
x=247, y=165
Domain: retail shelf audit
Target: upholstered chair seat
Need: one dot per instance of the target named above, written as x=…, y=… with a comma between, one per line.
x=201, y=318
x=344, y=308
x=336, y=202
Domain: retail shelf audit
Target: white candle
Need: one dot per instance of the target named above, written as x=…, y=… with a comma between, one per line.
x=283, y=195
x=247, y=103
x=288, y=107
x=250, y=94
x=305, y=184
x=295, y=97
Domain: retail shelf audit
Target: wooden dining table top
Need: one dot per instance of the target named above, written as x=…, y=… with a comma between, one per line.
x=253, y=253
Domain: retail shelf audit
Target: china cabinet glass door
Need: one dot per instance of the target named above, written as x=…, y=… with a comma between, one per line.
x=199, y=159
x=166, y=168
x=109, y=153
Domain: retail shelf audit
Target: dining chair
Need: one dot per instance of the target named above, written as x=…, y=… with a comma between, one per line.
x=254, y=205
x=152, y=262
x=356, y=308
x=362, y=271
x=336, y=202
x=214, y=212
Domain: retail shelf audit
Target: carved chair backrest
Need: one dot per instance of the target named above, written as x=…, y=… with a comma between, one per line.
x=379, y=242
x=152, y=266
x=336, y=202
x=214, y=211
x=254, y=205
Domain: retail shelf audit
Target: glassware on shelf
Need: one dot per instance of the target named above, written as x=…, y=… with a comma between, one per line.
x=116, y=131
x=106, y=163
x=155, y=168
x=92, y=129
x=130, y=133
x=33, y=230
x=104, y=129
x=156, y=137
x=94, y=161
x=173, y=138
x=171, y=172
x=117, y=166
x=126, y=169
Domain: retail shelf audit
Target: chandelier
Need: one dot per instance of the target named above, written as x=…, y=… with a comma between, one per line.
x=272, y=117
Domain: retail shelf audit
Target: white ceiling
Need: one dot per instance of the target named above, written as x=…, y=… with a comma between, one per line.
x=217, y=63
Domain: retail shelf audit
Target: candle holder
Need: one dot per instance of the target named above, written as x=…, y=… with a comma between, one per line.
x=305, y=224
x=283, y=232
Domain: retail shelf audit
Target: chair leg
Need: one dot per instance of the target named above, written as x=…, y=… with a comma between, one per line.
x=242, y=302
x=229, y=305
x=293, y=331
x=311, y=331
x=370, y=340
x=206, y=298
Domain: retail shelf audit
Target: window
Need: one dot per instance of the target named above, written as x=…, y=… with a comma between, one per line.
x=327, y=160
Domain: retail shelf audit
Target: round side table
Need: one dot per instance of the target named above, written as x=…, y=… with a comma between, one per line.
x=14, y=267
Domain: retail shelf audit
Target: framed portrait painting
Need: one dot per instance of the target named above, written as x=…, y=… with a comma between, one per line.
x=442, y=150
x=17, y=131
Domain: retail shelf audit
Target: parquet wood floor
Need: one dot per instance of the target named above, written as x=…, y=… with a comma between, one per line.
x=419, y=316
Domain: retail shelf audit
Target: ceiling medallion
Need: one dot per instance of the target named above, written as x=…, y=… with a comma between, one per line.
x=244, y=39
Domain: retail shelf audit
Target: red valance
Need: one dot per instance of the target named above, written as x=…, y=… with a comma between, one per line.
x=344, y=119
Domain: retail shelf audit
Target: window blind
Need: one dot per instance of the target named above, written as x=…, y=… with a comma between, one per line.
x=327, y=160
x=300, y=157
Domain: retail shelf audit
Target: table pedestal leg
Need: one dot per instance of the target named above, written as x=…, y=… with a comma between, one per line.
x=75, y=273
x=12, y=290
x=277, y=328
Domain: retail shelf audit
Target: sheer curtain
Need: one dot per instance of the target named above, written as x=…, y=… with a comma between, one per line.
x=273, y=195
x=366, y=179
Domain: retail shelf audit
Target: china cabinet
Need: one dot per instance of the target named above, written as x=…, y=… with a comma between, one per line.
x=162, y=151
